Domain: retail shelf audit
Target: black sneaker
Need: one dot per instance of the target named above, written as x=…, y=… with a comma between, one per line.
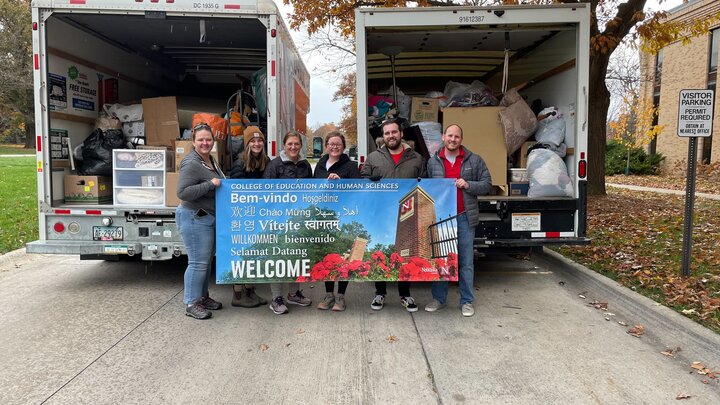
x=197, y=311
x=378, y=302
x=409, y=303
x=210, y=303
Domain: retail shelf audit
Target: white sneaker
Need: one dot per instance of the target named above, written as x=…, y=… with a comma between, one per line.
x=468, y=310
x=434, y=305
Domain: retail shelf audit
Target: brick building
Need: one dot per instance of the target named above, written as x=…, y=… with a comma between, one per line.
x=680, y=66
x=416, y=212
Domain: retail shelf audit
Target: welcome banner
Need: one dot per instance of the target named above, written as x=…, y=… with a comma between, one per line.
x=330, y=230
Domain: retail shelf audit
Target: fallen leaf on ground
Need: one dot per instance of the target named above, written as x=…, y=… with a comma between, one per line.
x=682, y=396
x=671, y=352
x=264, y=347
x=636, y=330
x=622, y=323
x=688, y=311
x=581, y=295
x=601, y=305
x=392, y=338
x=299, y=331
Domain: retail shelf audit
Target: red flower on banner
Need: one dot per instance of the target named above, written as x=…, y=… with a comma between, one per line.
x=378, y=257
x=418, y=269
x=334, y=267
x=333, y=261
x=452, y=264
x=396, y=259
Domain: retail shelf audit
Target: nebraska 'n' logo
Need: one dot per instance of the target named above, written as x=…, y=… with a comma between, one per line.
x=407, y=208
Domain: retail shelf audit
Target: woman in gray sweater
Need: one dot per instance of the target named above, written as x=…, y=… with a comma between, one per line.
x=195, y=217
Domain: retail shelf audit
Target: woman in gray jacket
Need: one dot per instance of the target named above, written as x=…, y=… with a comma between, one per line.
x=195, y=217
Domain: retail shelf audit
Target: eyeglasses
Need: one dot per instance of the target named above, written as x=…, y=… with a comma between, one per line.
x=202, y=125
x=334, y=145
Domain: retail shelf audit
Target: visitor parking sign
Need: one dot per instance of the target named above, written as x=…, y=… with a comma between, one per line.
x=695, y=113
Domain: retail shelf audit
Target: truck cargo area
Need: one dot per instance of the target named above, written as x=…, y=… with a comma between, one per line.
x=159, y=70
x=418, y=56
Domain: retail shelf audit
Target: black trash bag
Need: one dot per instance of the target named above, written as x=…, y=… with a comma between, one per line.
x=97, y=152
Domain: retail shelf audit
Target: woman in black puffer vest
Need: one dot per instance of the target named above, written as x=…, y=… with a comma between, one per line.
x=335, y=165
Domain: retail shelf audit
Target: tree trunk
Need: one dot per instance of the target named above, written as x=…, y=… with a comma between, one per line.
x=598, y=105
x=29, y=135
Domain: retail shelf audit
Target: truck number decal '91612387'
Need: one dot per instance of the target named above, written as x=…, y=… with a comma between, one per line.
x=471, y=18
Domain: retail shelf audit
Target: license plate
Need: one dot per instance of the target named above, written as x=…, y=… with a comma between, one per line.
x=525, y=222
x=107, y=233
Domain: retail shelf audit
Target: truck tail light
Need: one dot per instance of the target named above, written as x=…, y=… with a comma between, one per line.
x=59, y=227
x=273, y=32
x=582, y=166
x=34, y=26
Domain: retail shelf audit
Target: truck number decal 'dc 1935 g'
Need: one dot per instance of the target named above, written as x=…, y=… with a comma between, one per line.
x=212, y=6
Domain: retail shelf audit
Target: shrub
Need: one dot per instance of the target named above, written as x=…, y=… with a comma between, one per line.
x=616, y=156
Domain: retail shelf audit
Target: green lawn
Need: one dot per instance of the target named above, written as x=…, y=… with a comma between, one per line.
x=18, y=202
x=7, y=149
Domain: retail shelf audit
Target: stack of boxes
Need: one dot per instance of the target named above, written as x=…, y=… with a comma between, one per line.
x=162, y=123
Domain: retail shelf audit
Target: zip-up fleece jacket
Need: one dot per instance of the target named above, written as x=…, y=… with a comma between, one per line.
x=380, y=164
x=473, y=170
x=283, y=168
x=344, y=167
x=195, y=187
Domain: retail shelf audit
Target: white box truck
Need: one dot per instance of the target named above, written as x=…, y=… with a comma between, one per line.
x=541, y=50
x=87, y=52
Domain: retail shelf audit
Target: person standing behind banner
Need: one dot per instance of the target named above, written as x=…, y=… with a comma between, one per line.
x=288, y=165
x=472, y=178
x=332, y=166
x=393, y=160
x=250, y=164
x=195, y=217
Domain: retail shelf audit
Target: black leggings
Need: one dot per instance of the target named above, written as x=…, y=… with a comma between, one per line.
x=330, y=287
x=403, y=288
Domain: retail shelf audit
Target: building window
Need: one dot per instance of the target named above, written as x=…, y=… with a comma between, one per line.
x=706, y=152
x=713, y=65
x=652, y=148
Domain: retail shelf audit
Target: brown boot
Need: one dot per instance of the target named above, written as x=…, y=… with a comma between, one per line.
x=250, y=293
x=237, y=298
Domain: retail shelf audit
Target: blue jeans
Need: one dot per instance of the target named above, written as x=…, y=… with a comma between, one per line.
x=466, y=269
x=198, y=234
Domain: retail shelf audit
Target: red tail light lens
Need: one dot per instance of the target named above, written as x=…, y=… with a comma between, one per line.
x=59, y=227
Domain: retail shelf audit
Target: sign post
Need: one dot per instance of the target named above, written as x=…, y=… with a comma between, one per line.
x=695, y=119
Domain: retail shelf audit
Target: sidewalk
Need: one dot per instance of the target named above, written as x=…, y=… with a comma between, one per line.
x=663, y=191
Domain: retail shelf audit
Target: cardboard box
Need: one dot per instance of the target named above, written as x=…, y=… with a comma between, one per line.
x=88, y=189
x=161, y=121
x=184, y=146
x=483, y=135
x=524, y=152
x=424, y=109
x=171, y=198
x=519, y=187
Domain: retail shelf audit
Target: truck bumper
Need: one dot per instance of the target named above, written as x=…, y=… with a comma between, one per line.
x=107, y=250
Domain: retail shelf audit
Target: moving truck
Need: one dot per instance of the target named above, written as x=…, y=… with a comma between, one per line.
x=175, y=58
x=542, y=51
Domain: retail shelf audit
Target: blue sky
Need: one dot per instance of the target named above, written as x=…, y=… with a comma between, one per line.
x=377, y=211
